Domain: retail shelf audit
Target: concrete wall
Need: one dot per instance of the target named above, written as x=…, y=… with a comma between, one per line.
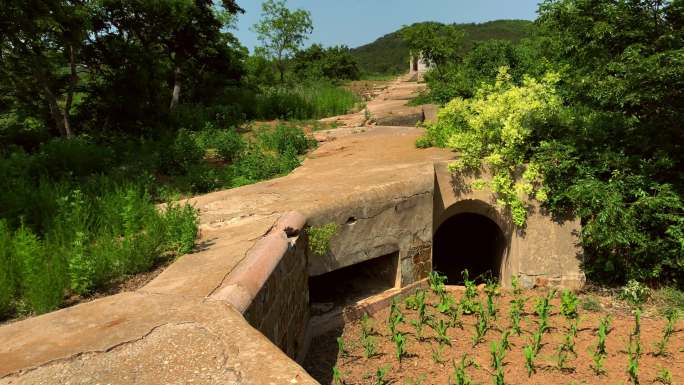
x=280, y=310
x=384, y=223
x=544, y=253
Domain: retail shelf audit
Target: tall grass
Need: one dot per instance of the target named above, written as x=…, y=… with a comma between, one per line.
x=308, y=101
x=77, y=216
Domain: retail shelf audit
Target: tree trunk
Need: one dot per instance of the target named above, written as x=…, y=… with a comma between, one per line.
x=175, y=96
x=70, y=93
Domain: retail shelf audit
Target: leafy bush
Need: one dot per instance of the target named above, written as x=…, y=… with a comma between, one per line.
x=495, y=129
x=227, y=143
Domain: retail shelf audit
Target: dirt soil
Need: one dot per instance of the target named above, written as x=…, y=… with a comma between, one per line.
x=419, y=367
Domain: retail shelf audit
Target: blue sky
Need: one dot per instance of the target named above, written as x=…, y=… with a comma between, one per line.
x=358, y=22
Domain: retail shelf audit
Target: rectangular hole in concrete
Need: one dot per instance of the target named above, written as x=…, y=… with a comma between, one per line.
x=352, y=283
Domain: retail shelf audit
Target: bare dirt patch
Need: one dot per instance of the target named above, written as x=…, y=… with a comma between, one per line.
x=419, y=366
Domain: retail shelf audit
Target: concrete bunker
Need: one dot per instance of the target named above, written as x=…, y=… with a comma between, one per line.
x=468, y=241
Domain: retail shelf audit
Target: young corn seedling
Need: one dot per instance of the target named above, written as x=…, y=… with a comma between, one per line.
x=491, y=290
x=460, y=376
x=600, y=352
x=422, y=314
x=468, y=301
x=436, y=282
x=517, y=306
x=380, y=374
x=505, y=343
x=369, y=346
x=633, y=351
x=536, y=341
x=543, y=307
x=395, y=318
x=438, y=354
x=341, y=348
x=603, y=330
x=664, y=376
x=400, y=345
x=597, y=366
x=530, y=355
x=337, y=376
x=455, y=314
x=447, y=302
x=569, y=304
x=441, y=329
x=497, y=354
x=661, y=346
x=481, y=326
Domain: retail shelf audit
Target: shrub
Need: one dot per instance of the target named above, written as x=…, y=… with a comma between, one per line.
x=227, y=143
x=8, y=279
x=43, y=280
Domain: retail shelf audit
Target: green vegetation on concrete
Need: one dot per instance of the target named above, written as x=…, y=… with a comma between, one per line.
x=320, y=237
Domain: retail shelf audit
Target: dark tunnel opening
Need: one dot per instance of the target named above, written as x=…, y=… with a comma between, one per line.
x=468, y=241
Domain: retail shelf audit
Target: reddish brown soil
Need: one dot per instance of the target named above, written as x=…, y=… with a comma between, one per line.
x=419, y=365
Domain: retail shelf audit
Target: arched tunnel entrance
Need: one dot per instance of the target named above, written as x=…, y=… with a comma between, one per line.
x=468, y=241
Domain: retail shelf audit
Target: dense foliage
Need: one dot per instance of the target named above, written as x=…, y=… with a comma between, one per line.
x=609, y=147
x=109, y=108
x=390, y=53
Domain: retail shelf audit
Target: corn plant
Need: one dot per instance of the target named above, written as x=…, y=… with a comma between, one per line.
x=446, y=302
x=455, y=314
x=603, y=330
x=505, y=343
x=468, y=301
x=418, y=327
x=491, y=290
x=395, y=318
x=497, y=354
x=411, y=301
x=569, y=304
x=536, y=341
x=460, y=376
x=517, y=306
x=400, y=345
x=337, y=376
x=341, y=348
x=597, y=366
x=369, y=346
x=380, y=374
x=543, y=307
x=436, y=282
x=661, y=346
x=530, y=355
x=481, y=326
x=664, y=376
x=441, y=329
x=438, y=354
x=633, y=352
x=567, y=347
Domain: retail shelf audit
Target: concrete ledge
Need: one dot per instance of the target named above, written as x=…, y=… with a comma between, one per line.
x=243, y=284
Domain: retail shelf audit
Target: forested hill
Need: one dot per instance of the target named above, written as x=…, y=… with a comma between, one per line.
x=389, y=54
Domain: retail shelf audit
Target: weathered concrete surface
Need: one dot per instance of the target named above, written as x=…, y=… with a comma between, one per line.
x=171, y=332
x=136, y=338
x=390, y=108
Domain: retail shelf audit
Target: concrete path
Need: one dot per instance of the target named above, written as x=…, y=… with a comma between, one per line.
x=170, y=332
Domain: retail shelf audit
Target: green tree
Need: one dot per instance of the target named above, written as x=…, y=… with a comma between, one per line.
x=282, y=32
x=334, y=63
x=437, y=43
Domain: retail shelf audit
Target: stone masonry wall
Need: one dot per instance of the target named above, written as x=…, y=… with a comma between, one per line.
x=281, y=308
